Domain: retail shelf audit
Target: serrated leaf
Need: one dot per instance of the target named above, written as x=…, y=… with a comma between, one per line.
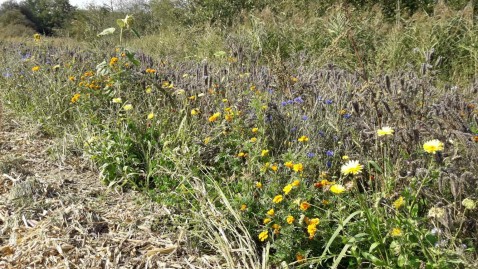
x=107, y=31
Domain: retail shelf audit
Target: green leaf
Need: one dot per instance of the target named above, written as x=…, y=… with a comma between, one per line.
x=120, y=23
x=341, y=256
x=375, y=166
x=373, y=246
x=402, y=260
x=135, y=32
x=375, y=261
x=131, y=58
x=220, y=53
x=107, y=31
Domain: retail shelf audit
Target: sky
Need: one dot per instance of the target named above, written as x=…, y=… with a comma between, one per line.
x=79, y=3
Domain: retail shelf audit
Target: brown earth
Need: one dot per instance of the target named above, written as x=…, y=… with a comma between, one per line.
x=55, y=213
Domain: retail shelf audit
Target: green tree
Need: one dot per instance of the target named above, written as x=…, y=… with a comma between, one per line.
x=48, y=15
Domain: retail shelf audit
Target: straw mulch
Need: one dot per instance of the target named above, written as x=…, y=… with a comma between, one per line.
x=54, y=213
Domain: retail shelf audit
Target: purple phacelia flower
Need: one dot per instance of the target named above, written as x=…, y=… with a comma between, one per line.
x=298, y=100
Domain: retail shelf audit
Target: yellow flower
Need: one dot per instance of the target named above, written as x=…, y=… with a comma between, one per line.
x=289, y=164
x=266, y=220
x=195, y=111
x=264, y=152
x=298, y=167
x=303, y=139
x=263, y=235
x=128, y=107
x=351, y=167
x=385, y=131
x=255, y=130
x=290, y=219
x=287, y=189
x=150, y=116
x=274, y=167
x=254, y=139
x=312, y=230
x=35, y=68
x=192, y=97
x=276, y=228
x=296, y=183
x=396, y=232
x=214, y=117
x=277, y=199
x=337, y=189
x=75, y=98
x=150, y=70
x=149, y=90
x=113, y=61
x=117, y=100
x=258, y=185
x=71, y=78
x=314, y=221
x=37, y=37
x=433, y=146
x=243, y=207
x=241, y=154
x=228, y=117
x=398, y=203
x=304, y=206
x=271, y=212
x=345, y=157
x=469, y=203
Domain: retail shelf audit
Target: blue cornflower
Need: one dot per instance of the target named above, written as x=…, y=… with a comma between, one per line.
x=311, y=155
x=293, y=129
x=328, y=102
x=347, y=116
x=321, y=133
x=305, y=117
x=329, y=164
x=290, y=102
x=284, y=103
x=330, y=153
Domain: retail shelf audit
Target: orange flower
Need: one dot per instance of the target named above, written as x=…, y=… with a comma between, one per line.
x=304, y=206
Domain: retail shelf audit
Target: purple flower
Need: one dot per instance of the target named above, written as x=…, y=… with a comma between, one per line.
x=290, y=102
x=329, y=164
x=347, y=116
x=305, y=117
x=330, y=153
x=284, y=103
x=328, y=102
x=298, y=100
x=293, y=129
x=311, y=155
x=321, y=133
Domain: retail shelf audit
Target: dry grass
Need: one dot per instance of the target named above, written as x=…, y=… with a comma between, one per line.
x=60, y=216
